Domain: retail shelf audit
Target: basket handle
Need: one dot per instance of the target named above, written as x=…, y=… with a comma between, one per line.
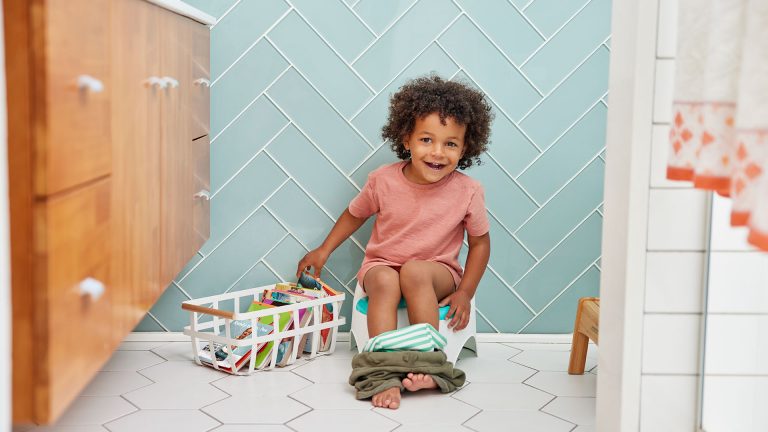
x=202, y=309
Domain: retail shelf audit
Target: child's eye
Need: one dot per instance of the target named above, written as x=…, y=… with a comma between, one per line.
x=452, y=144
x=426, y=140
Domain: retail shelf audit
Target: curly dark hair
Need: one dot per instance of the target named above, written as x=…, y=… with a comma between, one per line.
x=425, y=95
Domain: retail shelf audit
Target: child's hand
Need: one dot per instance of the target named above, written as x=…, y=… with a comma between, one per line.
x=314, y=259
x=459, y=311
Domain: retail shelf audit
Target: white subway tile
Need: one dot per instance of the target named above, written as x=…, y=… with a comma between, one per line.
x=667, y=37
x=738, y=282
x=735, y=404
x=674, y=281
x=659, y=149
x=668, y=403
x=662, y=101
x=671, y=344
x=736, y=344
x=724, y=236
x=677, y=220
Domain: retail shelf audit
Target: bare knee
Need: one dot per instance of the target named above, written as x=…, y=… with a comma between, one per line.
x=382, y=281
x=414, y=277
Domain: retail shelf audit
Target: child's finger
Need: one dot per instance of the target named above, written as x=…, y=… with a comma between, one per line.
x=445, y=301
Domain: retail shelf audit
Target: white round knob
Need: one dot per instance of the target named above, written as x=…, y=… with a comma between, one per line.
x=156, y=82
x=170, y=81
x=204, y=194
x=87, y=82
x=201, y=82
x=91, y=287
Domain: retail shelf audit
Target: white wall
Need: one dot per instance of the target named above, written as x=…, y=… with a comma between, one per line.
x=651, y=292
x=5, y=280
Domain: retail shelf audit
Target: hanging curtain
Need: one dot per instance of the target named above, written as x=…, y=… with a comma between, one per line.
x=719, y=126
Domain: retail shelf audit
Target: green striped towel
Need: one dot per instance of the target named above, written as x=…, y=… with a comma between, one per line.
x=417, y=337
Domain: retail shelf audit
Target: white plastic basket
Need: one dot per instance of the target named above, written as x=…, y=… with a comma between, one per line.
x=211, y=324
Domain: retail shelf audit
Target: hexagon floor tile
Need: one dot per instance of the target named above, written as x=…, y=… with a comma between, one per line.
x=563, y=384
x=549, y=360
x=425, y=407
x=326, y=369
x=252, y=428
x=263, y=382
x=482, y=369
x=528, y=421
x=249, y=409
x=503, y=396
x=115, y=383
x=161, y=375
x=92, y=410
x=182, y=372
x=342, y=421
x=170, y=395
x=579, y=410
x=331, y=396
x=163, y=421
x=131, y=361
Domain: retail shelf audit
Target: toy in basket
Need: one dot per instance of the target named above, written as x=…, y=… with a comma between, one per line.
x=289, y=319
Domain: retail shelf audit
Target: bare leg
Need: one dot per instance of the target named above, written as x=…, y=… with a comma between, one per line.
x=383, y=287
x=423, y=284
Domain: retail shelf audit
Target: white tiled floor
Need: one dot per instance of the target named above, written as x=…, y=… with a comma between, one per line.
x=154, y=386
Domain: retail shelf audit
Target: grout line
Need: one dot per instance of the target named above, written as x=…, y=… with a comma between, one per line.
x=319, y=93
x=218, y=20
x=249, y=105
x=512, y=290
x=500, y=51
x=189, y=297
x=498, y=107
x=329, y=45
x=362, y=21
x=251, y=46
x=366, y=158
x=586, y=269
x=314, y=144
x=559, y=137
x=514, y=180
x=553, y=248
x=555, y=33
x=158, y=321
x=386, y=29
x=255, y=155
x=525, y=17
x=485, y=318
x=560, y=83
x=399, y=73
x=559, y=190
x=511, y=234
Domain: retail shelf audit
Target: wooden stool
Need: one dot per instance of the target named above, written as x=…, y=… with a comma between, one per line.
x=585, y=328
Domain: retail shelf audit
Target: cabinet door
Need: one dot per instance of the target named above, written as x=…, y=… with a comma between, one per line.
x=74, y=97
x=76, y=335
x=182, y=188
x=136, y=160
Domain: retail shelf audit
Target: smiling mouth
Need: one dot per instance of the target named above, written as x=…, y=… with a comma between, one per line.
x=434, y=166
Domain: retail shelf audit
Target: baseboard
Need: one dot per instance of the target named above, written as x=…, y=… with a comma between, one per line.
x=344, y=337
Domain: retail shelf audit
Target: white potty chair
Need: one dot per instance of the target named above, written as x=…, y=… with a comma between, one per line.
x=465, y=338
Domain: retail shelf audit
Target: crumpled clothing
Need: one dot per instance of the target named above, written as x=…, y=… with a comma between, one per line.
x=374, y=372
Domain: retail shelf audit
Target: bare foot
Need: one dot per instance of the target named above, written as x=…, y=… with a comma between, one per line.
x=416, y=382
x=389, y=398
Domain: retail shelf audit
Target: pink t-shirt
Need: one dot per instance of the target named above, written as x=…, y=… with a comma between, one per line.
x=419, y=222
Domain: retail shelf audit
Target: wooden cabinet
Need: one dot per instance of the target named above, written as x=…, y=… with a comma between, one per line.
x=108, y=161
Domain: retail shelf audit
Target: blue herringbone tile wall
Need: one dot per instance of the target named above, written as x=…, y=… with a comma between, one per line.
x=299, y=94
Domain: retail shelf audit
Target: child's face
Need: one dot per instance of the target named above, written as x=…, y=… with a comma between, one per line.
x=435, y=148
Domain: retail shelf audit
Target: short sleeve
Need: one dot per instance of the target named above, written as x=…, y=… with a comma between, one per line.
x=366, y=203
x=476, y=219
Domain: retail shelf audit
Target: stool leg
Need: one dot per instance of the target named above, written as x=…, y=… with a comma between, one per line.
x=578, y=360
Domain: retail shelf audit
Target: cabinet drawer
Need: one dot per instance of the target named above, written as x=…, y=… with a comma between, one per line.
x=76, y=145
x=77, y=330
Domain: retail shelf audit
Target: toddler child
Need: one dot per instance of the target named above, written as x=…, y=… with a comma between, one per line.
x=423, y=207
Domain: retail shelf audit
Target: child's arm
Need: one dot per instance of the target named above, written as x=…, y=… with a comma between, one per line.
x=344, y=227
x=477, y=260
